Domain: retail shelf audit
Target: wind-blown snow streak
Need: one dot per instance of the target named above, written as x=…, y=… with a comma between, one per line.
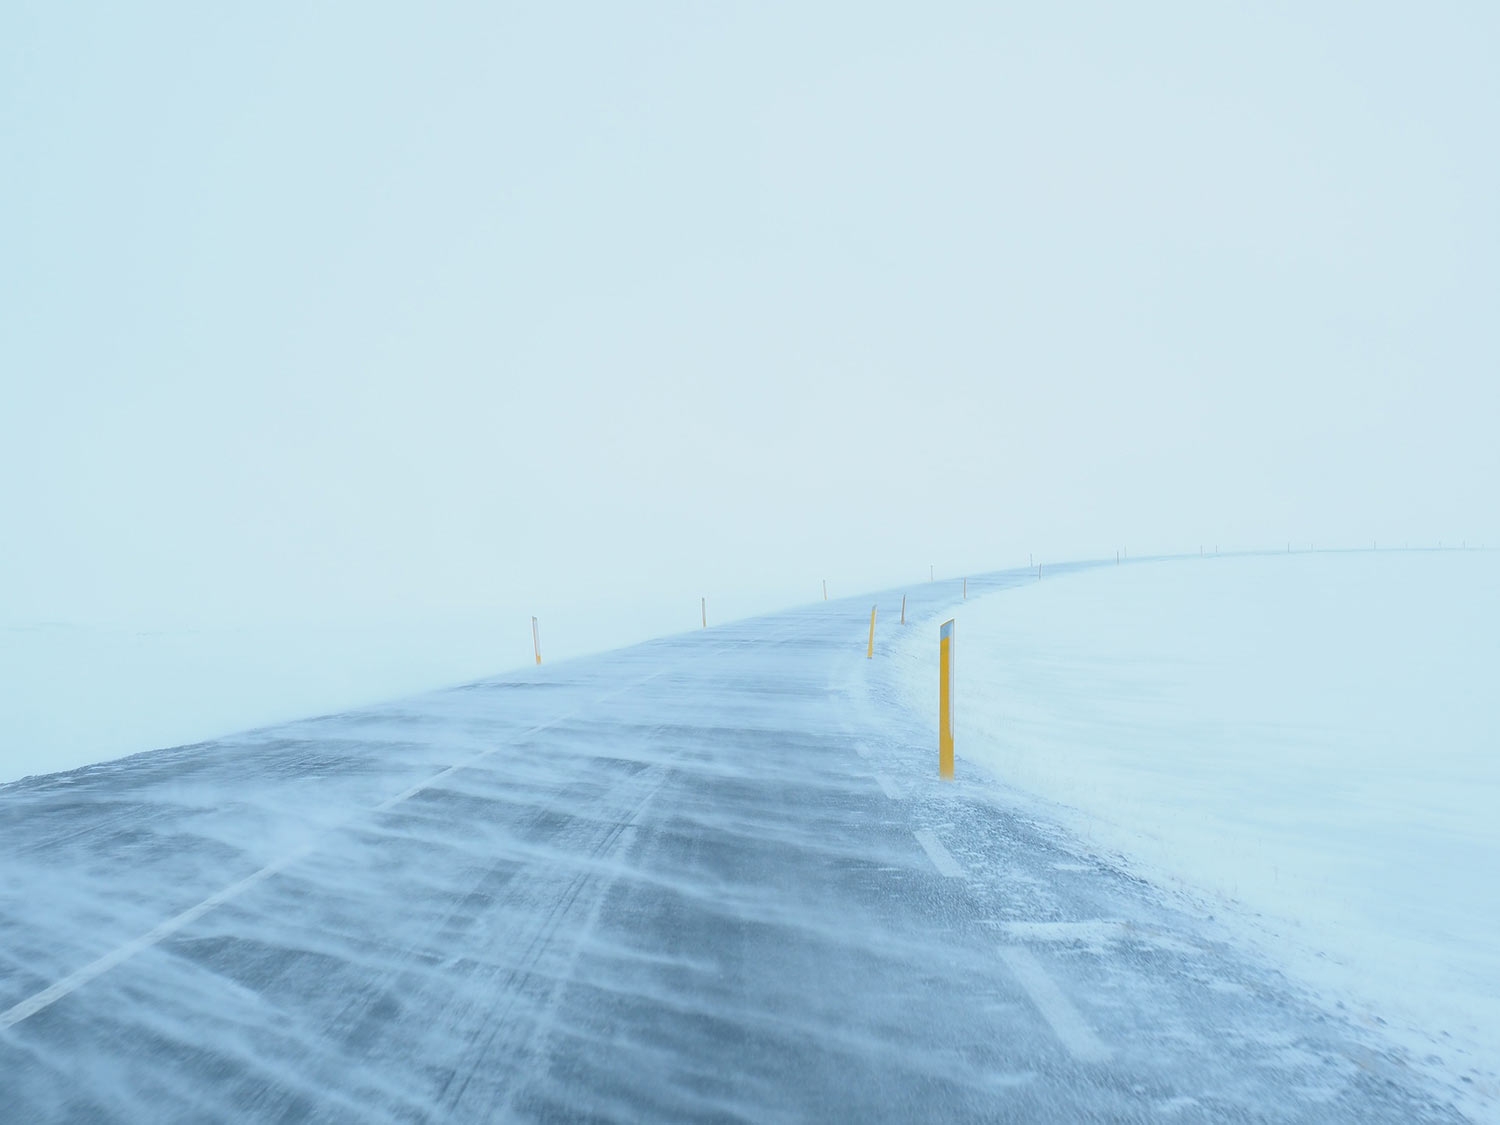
x=74, y=980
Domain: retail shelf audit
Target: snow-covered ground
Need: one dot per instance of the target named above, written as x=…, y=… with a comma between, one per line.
x=77, y=694
x=1312, y=741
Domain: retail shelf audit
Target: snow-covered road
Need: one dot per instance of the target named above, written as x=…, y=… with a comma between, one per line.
x=710, y=877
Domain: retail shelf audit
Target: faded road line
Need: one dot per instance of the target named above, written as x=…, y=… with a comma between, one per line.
x=941, y=859
x=1064, y=1019
x=888, y=787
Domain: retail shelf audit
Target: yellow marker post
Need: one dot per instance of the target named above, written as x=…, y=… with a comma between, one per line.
x=536, y=641
x=966, y=589
x=825, y=589
x=903, y=609
x=704, y=602
x=870, y=651
x=945, y=701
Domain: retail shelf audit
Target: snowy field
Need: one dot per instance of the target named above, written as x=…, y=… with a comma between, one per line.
x=80, y=694
x=75, y=695
x=1308, y=742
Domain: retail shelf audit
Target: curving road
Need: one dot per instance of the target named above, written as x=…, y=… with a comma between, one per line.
x=712, y=877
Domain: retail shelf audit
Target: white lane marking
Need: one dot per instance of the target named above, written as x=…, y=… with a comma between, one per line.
x=75, y=980
x=941, y=859
x=1089, y=933
x=80, y=977
x=888, y=787
x=408, y=794
x=861, y=749
x=1064, y=1019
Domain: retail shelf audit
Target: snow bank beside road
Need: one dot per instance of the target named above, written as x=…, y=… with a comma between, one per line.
x=1314, y=738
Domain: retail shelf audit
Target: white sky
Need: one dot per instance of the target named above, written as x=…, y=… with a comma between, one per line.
x=343, y=310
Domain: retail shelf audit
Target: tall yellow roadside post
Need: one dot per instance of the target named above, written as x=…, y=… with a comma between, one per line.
x=870, y=651
x=704, y=606
x=945, y=701
x=825, y=589
x=903, y=609
x=536, y=641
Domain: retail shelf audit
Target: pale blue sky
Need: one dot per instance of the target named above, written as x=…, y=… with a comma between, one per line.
x=346, y=309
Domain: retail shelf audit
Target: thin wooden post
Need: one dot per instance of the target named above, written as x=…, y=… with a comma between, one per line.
x=903, y=609
x=536, y=641
x=870, y=650
x=704, y=607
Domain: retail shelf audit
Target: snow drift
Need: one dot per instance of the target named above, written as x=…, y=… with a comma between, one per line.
x=1309, y=740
